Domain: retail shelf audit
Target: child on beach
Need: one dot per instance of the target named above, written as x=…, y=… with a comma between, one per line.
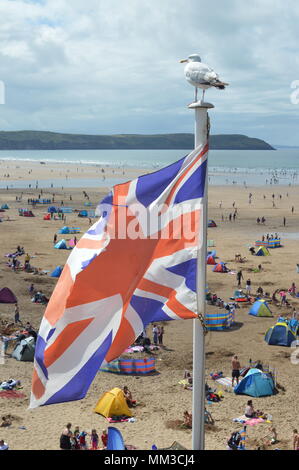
x=94, y=439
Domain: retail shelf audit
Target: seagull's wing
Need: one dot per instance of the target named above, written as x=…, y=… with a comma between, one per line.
x=200, y=73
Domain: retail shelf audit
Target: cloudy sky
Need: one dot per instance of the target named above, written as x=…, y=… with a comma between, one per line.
x=112, y=66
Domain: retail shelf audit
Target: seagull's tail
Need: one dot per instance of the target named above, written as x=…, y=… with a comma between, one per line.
x=220, y=85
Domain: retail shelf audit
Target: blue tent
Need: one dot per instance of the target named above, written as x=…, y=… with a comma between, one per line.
x=255, y=384
x=280, y=335
x=260, y=308
x=64, y=230
x=83, y=213
x=57, y=271
x=115, y=439
x=4, y=206
x=52, y=209
x=61, y=245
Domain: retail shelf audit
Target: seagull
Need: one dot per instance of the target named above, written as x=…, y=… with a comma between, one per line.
x=201, y=75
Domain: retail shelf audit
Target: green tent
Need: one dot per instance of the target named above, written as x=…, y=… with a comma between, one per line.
x=262, y=251
x=24, y=350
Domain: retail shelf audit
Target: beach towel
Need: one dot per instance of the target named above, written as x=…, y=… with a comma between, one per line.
x=250, y=421
x=225, y=381
x=11, y=394
x=116, y=419
x=185, y=382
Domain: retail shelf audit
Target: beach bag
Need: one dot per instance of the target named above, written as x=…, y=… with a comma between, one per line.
x=234, y=441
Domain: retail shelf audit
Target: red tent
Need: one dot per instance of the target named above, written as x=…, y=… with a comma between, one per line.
x=211, y=260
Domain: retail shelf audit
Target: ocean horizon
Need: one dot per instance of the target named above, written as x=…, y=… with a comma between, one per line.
x=245, y=167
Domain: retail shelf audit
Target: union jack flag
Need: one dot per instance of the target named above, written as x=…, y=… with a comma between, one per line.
x=136, y=265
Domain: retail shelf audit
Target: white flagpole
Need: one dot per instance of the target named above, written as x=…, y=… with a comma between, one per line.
x=198, y=407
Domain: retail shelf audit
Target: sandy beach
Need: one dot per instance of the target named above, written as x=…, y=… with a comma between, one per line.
x=162, y=399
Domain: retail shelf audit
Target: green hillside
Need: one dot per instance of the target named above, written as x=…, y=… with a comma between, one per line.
x=39, y=140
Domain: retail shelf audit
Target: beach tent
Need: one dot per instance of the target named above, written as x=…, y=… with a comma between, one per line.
x=4, y=206
x=52, y=209
x=64, y=230
x=88, y=204
x=83, y=213
x=262, y=251
x=24, y=350
x=47, y=217
x=57, y=271
x=115, y=439
x=211, y=259
x=211, y=223
x=220, y=268
x=7, y=296
x=280, y=335
x=113, y=403
x=219, y=321
x=28, y=214
x=256, y=383
x=130, y=366
x=239, y=296
x=61, y=245
x=260, y=308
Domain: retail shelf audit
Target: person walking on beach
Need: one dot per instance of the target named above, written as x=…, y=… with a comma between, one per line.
x=160, y=335
x=155, y=334
x=55, y=239
x=236, y=366
x=292, y=209
x=284, y=221
x=17, y=314
x=248, y=286
x=239, y=277
x=230, y=217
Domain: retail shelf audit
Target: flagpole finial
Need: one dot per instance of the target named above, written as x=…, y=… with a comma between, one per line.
x=200, y=104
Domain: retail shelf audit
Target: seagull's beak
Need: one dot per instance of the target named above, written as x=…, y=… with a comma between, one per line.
x=183, y=60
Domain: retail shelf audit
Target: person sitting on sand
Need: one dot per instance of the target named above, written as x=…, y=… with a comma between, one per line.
x=273, y=439
x=5, y=422
x=249, y=410
x=128, y=396
x=188, y=419
x=3, y=445
x=188, y=377
x=260, y=291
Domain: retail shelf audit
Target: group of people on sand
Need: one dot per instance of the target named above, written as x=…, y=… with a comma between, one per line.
x=158, y=333
x=82, y=440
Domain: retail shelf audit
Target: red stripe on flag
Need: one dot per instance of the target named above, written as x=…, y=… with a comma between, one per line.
x=180, y=309
x=38, y=388
x=56, y=306
x=125, y=336
x=175, y=186
x=64, y=340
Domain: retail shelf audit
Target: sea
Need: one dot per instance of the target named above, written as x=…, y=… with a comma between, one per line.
x=226, y=167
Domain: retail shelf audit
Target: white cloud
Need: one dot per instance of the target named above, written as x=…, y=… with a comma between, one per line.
x=112, y=67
